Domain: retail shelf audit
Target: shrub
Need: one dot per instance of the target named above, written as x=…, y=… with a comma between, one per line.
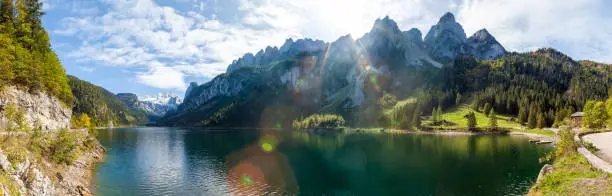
x=64, y=149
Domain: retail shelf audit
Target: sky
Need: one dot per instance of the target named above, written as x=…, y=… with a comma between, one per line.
x=152, y=46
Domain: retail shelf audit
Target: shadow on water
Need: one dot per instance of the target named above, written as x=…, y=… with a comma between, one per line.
x=170, y=161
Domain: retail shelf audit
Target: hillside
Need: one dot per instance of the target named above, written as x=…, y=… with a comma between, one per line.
x=26, y=58
x=105, y=108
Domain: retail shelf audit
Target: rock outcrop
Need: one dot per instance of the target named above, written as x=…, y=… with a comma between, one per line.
x=41, y=110
x=39, y=178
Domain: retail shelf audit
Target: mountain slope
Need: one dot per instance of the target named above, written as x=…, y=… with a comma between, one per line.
x=102, y=105
x=346, y=76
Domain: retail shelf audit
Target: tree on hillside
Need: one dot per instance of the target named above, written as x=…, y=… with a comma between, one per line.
x=523, y=115
x=492, y=121
x=541, y=121
x=487, y=109
x=595, y=114
x=458, y=99
x=416, y=119
x=439, y=113
x=532, y=118
x=609, y=111
x=475, y=105
x=434, y=115
x=471, y=121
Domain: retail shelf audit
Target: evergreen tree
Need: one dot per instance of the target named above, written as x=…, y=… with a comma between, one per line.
x=416, y=120
x=439, y=113
x=532, y=119
x=458, y=99
x=434, y=115
x=487, y=109
x=475, y=105
x=522, y=115
x=541, y=121
x=492, y=121
x=471, y=121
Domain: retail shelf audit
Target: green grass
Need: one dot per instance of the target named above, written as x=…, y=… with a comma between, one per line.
x=573, y=175
x=535, y=131
x=456, y=117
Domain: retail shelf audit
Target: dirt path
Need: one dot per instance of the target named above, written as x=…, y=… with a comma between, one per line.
x=603, y=141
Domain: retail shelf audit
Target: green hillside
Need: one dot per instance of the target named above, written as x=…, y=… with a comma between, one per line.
x=102, y=105
x=26, y=58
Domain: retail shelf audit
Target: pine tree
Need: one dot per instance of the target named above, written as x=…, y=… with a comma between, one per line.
x=541, y=121
x=475, y=105
x=532, y=119
x=458, y=99
x=416, y=121
x=492, y=121
x=487, y=109
x=471, y=121
x=434, y=115
x=439, y=113
x=522, y=115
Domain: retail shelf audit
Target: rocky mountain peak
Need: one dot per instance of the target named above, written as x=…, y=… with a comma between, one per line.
x=484, y=46
x=445, y=39
x=414, y=35
x=386, y=25
x=447, y=18
x=192, y=86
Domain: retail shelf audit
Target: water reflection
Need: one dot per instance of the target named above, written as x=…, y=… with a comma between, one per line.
x=168, y=161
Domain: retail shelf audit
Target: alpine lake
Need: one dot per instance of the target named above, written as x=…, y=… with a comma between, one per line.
x=177, y=161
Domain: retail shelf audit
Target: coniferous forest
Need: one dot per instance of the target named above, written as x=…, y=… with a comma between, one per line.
x=26, y=57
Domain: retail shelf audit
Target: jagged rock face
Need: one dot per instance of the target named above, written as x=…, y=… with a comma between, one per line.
x=484, y=46
x=192, y=85
x=41, y=110
x=272, y=54
x=445, y=39
x=229, y=84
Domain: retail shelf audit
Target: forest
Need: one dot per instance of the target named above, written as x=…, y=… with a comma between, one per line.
x=26, y=57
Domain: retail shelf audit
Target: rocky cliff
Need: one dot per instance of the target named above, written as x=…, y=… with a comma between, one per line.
x=25, y=172
x=41, y=110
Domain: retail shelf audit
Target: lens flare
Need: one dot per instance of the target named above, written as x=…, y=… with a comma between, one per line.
x=268, y=143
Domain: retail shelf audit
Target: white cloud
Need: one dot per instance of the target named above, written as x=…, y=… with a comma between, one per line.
x=141, y=33
x=162, y=77
x=576, y=27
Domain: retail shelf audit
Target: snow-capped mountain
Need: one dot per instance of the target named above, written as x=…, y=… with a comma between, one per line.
x=154, y=106
x=168, y=98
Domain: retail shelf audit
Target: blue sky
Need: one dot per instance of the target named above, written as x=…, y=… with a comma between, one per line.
x=151, y=46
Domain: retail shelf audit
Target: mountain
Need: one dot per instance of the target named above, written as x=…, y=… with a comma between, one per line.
x=271, y=54
x=154, y=106
x=347, y=77
x=104, y=107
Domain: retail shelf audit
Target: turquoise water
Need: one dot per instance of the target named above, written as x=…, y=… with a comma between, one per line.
x=172, y=161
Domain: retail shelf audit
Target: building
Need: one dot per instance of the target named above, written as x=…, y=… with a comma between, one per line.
x=577, y=119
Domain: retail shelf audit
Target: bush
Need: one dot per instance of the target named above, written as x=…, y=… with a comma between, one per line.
x=64, y=149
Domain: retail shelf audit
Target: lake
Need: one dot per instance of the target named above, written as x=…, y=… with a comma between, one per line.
x=175, y=161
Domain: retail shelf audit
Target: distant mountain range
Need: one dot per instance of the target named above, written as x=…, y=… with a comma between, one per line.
x=154, y=106
x=346, y=76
